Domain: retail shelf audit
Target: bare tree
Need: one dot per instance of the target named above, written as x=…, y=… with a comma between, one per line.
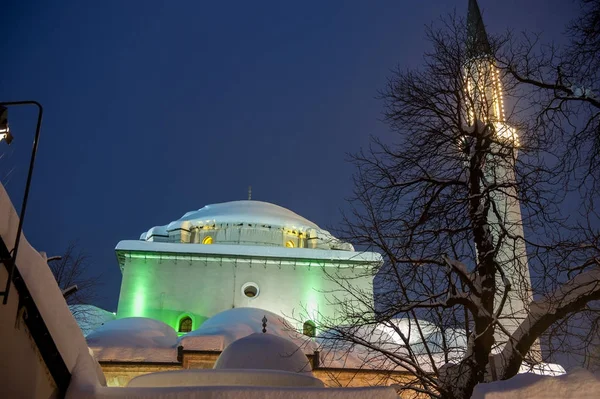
x=563, y=92
x=463, y=295
x=73, y=268
x=564, y=89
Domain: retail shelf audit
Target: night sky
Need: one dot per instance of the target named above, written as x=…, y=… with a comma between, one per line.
x=153, y=109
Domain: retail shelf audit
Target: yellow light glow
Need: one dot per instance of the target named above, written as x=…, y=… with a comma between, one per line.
x=289, y=244
x=207, y=240
x=506, y=132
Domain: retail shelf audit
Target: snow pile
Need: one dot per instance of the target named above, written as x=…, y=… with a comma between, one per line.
x=224, y=328
x=199, y=377
x=47, y=295
x=84, y=385
x=578, y=384
x=134, y=339
x=90, y=317
x=265, y=352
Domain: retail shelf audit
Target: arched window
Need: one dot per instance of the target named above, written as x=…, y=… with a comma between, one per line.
x=207, y=240
x=290, y=244
x=309, y=328
x=185, y=325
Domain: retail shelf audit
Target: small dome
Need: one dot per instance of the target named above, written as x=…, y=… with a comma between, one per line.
x=234, y=324
x=139, y=332
x=134, y=339
x=264, y=352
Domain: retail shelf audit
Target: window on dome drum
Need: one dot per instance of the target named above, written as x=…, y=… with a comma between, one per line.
x=250, y=290
x=309, y=328
x=185, y=325
x=207, y=240
x=290, y=244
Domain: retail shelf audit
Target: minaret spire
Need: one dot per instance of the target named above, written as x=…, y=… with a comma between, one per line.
x=477, y=40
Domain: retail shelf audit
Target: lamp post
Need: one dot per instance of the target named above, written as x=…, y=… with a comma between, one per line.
x=6, y=135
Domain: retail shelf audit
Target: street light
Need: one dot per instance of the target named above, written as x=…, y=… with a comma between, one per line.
x=4, y=130
x=7, y=136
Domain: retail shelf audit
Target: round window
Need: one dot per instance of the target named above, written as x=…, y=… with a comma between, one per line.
x=250, y=290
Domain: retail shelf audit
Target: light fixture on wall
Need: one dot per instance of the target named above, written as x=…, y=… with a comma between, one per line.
x=4, y=129
x=5, y=135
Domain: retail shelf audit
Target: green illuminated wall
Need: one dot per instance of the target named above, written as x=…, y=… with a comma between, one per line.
x=166, y=287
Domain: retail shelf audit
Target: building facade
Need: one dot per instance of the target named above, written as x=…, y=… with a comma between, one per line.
x=238, y=254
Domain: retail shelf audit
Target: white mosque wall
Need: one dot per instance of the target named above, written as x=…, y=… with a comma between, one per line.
x=168, y=287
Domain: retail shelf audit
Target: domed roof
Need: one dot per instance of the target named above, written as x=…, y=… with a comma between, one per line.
x=135, y=339
x=231, y=325
x=236, y=212
x=248, y=212
x=265, y=352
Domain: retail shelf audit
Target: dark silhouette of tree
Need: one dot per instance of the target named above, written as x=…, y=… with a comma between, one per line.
x=463, y=295
x=73, y=268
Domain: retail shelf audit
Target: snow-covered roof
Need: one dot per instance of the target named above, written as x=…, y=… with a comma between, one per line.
x=369, y=258
x=577, y=384
x=226, y=327
x=266, y=352
x=134, y=339
x=235, y=212
x=224, y=378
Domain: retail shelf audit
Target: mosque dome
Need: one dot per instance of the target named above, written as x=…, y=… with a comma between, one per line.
x=264, y=352
x=232, y=325
x=245, y=223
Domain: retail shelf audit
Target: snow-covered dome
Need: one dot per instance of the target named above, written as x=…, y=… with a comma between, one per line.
x=245, y=223
x=265, y=352
x=257, y=212
x=229, y=326
x=134, y=339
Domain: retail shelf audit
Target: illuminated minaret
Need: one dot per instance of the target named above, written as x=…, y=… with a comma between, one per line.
x=485, y=106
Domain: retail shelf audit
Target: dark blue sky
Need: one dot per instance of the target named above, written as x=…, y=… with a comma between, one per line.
x=153, y=108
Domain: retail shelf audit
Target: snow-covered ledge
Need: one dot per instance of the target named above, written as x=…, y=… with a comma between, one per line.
x=46, y=313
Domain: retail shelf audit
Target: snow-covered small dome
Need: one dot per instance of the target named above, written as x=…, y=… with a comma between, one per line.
x=229, y=326
x=265, y=352
x=134, y=339
x=140, y=332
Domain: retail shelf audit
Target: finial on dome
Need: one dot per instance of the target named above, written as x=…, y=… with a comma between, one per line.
x=249, y=193
x=264, y=324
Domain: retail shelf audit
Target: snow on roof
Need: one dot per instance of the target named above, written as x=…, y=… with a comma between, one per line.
x=134, y=339
x=266, y=352
x=249, y=212
x=211, y=377
x=580, y=384
x=249, y=251
x=46, y=294
x=234, y=212
x=226, y=327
